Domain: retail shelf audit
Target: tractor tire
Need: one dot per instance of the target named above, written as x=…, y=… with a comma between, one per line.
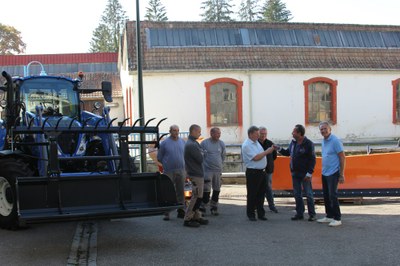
x=10, y=169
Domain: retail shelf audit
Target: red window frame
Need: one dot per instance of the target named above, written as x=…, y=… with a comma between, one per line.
x=239, y=87
x=333, y=84
x=395, y=83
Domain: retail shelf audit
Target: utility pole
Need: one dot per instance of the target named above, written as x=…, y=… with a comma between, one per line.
x=143, y=158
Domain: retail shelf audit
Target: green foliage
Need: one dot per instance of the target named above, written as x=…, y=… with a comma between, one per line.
x=10, y=41
x=107, y=35
x=156, y=11
x=217, y=10
x=275, y=11
x=249, y=10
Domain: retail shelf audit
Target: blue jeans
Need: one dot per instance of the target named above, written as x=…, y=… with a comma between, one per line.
x=330, y=189
x=298, y=183
x=269, y=195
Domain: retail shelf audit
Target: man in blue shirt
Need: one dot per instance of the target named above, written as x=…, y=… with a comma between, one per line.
x=254, y=158
x=302, y=163
x=170, y=155
x=333, y=163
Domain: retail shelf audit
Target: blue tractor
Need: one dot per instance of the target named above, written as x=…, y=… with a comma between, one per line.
x=59, y=162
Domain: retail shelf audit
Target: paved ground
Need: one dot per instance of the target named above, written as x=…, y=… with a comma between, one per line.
x=370, y=235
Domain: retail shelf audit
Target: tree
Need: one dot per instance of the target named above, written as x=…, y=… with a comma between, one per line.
x=217, y=10
x=249, y=10
x=156, y=11
x=106, y=36
x=10, y=40
x=275, y=11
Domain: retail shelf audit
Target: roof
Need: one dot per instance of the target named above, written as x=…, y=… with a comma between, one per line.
x=97, y=67
x=191, y=46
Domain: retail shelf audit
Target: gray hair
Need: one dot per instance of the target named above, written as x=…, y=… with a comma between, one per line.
x=324, y=123
x=262, y=128
x=252, y=129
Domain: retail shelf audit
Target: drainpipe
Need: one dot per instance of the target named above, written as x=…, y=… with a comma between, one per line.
x=250, y=98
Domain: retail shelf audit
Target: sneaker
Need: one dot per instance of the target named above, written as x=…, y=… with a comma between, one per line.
x=202, y=221
x=324, y=220
x=335, y=223
x=296, y=218
x=262, y=218
x=214, y=211
x=312, y=218
x=253, y=219
x=191, y=223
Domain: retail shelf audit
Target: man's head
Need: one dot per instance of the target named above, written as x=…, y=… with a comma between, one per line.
x=174, y=131
x=298, y=132
x=195, y=131
x=253, y=133
x=325, y=129
x=263, y=134
x=215, y=133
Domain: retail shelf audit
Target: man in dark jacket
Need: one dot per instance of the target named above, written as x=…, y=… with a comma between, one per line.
x=193, y=155
x=302, y=163
x=266, y=143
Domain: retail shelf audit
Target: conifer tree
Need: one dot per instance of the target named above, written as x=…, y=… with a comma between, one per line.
x=217, y=10
x=275, y=11
x=156, y=11
x=249, y=10
x=107, y=35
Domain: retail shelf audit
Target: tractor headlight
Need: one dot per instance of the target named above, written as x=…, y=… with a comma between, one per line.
x=81, y=147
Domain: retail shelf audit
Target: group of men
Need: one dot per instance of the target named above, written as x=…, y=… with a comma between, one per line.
x=202, y=163
x=259, y=154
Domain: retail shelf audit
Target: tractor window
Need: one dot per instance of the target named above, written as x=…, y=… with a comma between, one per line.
x=55, y=96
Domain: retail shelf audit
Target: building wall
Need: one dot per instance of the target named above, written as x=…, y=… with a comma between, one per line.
x=276, y=99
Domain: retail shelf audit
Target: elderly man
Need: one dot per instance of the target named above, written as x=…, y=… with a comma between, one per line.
x=333, y=163
x=254, y=158
x=170, y=155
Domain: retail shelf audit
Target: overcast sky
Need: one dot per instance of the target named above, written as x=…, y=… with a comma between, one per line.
x=56, y=26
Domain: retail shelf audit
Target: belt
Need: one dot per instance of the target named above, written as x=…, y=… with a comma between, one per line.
x=255, y=170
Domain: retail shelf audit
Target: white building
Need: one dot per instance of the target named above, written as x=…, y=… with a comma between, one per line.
x=237, y=74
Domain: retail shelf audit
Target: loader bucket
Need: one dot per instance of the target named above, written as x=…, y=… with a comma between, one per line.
x=93, y=196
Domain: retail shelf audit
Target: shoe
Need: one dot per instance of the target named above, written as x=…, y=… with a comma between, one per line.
x=312, y=218
x=166, y=217
x=274, y=210
x=214, y=211
x=191, y=223
x=253, y=219
x=181, y=214
x=262, y=218
x=335, y=223
x=324, y=220
x=296, y=218
x=202, y=221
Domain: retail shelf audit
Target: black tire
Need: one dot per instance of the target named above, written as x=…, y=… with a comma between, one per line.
x=10, y=169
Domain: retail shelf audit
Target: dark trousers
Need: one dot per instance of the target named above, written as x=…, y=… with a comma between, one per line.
x=269, y=194
x=330, y=190
x=255, y=185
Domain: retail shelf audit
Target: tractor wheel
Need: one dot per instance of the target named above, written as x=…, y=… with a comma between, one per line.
x=10, y=169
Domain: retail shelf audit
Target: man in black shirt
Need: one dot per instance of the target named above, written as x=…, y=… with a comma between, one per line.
x=266, y=143
x=302, y=163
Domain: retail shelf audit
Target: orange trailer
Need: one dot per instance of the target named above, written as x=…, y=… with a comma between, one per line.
x=365, y=175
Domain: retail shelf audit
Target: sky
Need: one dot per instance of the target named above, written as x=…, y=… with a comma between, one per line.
x=55, y=26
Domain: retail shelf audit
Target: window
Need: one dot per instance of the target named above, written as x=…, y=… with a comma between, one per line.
x=320, y=100
x=396, y=101
x=224, y=102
